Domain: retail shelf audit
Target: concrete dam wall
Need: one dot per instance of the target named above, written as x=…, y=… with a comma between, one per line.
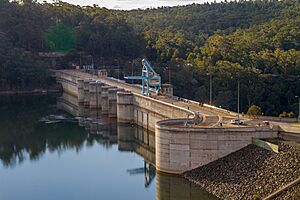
x=178, y=147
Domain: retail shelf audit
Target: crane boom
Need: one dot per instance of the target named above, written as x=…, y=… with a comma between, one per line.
x=151, y=81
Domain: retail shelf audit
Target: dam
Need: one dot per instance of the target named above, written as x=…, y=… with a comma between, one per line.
x=179, y=143
x=135, y=139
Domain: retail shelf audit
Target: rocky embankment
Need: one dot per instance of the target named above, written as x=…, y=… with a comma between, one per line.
x=250, y=173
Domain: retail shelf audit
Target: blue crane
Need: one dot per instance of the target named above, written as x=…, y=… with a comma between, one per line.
x=151, y=81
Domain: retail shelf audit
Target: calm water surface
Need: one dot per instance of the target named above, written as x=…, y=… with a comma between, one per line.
x=51, y=148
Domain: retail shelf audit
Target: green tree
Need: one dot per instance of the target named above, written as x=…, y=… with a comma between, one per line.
x=61, y=38
x=254, y=110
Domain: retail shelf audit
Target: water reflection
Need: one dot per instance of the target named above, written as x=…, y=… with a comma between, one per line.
x=20, y=133
x=170, y=187
x=141, y=141
x=23, y=137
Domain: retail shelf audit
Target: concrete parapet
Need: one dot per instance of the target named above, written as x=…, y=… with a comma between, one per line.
x=125, y=107
x=148, y=111
x=179, y=148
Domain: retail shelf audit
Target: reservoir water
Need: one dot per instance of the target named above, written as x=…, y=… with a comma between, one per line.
x=51, y=148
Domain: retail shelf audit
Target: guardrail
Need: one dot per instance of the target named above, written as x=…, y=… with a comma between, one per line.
x=222, y=110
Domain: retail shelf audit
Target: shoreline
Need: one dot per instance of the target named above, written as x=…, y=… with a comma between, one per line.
x=34, y=91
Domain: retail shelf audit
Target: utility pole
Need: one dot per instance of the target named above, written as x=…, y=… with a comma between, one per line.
x=118, y=70
x=132, y=71
x=170, y=73
x=238, y=99
x=298, y=107
x=210, y=89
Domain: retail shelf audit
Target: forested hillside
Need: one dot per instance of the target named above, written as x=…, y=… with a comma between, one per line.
x=255, y=43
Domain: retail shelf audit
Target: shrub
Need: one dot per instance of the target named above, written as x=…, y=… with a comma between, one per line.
x=254, y=110
x=287, y=115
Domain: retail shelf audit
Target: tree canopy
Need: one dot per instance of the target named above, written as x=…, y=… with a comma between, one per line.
x=255, y=43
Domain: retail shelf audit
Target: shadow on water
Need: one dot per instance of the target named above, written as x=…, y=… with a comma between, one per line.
x=172, y=187
x=24, y=137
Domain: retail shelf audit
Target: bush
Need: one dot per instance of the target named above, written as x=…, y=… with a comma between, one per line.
x=256, y=197
x=254, y=110
x=291, y=115
x=287, y=115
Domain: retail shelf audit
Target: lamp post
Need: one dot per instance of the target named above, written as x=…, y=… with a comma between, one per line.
x=298, y=106
x=210, y=88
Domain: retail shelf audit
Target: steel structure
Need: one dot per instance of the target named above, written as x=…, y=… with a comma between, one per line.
x=151, y=81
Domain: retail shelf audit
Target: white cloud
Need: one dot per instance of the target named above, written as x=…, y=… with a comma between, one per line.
x=133, y=4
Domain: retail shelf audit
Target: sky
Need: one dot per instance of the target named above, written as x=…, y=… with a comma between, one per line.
x=134, y=4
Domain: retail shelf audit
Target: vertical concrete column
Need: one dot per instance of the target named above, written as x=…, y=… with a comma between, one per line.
x=93, y=95
x=98, y=93
x=86, y=85
x=112, y=101
x=80, y=90
x=104, y=99
x=125, y=107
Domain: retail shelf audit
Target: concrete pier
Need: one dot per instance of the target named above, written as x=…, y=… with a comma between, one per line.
x=125, y=107
x=80, y=89
x=112, y=102
x=93, y=98
x=104, y=99
x=86, y=88
x=98, y=93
